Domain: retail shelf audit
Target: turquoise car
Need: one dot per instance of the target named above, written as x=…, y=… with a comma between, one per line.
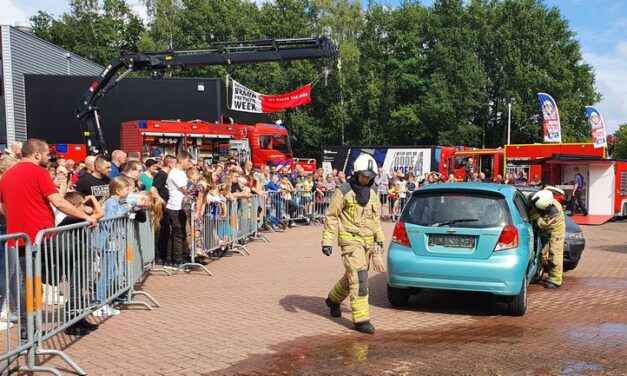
x=467, y=237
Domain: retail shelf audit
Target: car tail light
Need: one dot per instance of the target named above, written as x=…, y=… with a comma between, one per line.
x=559, y=197
x=399, y=235
x=508, y=239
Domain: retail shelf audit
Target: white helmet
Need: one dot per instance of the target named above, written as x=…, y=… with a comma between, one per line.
x=542, y=199
x=365, y=165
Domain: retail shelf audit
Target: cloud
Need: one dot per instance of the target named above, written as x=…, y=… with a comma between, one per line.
x=611, y=82
x=11, y=13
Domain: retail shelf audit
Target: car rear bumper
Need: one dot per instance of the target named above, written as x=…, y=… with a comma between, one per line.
x=500, y=274
x=573, y=249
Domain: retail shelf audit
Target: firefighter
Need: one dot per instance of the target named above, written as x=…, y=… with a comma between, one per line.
x=549, y=216
x=353, y=215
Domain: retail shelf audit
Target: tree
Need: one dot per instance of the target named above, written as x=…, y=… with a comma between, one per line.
x=94, y=29
x=620, y=143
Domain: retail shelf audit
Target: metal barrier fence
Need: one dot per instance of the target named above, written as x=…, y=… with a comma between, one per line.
x=83, y=270
x=21, y=292
x=229, y=224
x=312, y=206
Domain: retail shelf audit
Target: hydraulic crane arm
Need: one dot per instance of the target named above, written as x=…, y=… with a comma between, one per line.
x=221, y=53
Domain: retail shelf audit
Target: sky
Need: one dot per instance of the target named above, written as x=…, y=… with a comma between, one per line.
x=600, y=26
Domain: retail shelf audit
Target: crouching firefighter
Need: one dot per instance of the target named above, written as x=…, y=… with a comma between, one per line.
x=353, y=215
x=549, y=216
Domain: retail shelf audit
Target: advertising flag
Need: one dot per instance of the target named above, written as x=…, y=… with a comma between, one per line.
x=597, y=127
x=247, y=100
x=550, y=118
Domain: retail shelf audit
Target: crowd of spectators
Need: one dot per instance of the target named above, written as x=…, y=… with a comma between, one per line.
x=177, y=194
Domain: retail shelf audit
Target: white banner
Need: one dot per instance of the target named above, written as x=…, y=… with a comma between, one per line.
x=244, y=99
x=402, y=159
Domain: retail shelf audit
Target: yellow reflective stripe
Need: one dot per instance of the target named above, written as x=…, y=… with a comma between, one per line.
x=338, y=293
x=328, y=236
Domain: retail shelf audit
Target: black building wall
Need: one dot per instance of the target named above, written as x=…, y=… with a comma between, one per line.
x=51, y=100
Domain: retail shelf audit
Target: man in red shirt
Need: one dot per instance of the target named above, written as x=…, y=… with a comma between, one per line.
x=26, y=192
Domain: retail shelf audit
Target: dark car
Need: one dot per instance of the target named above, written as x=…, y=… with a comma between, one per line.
x=574, y=241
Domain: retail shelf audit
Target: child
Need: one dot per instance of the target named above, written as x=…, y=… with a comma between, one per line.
x=195, y=190
x=78, y=263
x=110, y=244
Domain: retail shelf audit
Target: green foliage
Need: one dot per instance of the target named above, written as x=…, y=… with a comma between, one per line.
x=98, y=30
x=409, y=75
x=620, y=143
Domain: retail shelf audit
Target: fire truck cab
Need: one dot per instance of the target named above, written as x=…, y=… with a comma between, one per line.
x=488, y=161
x=261, y=143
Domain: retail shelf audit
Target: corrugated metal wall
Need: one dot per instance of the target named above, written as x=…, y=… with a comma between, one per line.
x=24, y=53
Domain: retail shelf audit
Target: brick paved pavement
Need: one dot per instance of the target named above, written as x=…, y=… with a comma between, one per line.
x=265, y=314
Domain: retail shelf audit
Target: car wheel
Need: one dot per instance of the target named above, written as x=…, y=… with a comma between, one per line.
x=518, y=305
x=398, y=297
x=570, y=265
x=537, y=276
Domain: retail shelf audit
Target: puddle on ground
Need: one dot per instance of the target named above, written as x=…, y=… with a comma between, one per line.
x=384, y=352
x=597, y=283
x=577, y=368
x=606, y=334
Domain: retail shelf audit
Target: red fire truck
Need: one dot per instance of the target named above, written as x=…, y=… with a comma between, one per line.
x=263, y=143
x=488, y=161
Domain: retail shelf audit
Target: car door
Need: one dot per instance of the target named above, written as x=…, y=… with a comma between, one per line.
x=527, y=226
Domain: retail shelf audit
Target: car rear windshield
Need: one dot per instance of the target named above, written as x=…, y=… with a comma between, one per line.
x=457, y=209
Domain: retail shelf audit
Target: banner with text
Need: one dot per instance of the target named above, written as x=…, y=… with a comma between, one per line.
x=247, y=100
x=597, y=127
x=551, y=118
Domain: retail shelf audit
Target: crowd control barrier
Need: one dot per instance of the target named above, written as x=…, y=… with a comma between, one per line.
x=68, y=273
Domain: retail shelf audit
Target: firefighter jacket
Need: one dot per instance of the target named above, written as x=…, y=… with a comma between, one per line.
x=550, y=221
x=352, y=223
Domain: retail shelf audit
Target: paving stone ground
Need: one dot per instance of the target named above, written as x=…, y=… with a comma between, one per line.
x=265, y=314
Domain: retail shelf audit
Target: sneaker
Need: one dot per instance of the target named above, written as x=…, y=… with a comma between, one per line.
x=77, y=331
x=105, y=311
x=364, y=327
x=121, y=299
x=87, y=325
x=5, y=325
x=334, y=308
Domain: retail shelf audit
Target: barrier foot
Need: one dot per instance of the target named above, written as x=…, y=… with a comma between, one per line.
x=153, y=269
x=259, y=236
x=188, y=265
x=136, y=302
x=241, y=250
x=34, y=369
x=149, y=297
x=63, y=356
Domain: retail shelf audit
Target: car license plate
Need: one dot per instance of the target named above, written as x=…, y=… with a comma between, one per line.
x=454, y=241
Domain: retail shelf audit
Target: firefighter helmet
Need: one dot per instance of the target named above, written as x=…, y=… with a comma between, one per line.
x=365, y=165
x=542, y=199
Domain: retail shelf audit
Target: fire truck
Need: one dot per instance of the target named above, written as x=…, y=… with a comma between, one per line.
x=263, y=144
x=488, y=161
x=218, y=53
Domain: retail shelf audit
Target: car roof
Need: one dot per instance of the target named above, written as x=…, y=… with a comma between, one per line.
x=504, y=189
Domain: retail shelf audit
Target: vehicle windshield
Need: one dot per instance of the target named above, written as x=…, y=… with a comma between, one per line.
x=276, y=142
x=457, y=209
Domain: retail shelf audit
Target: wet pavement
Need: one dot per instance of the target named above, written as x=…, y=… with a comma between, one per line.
x=264, y=314
x=581, y=329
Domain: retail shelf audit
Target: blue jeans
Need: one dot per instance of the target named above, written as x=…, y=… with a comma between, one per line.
x=108, y=274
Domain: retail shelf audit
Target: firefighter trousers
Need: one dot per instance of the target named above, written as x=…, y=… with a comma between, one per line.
x=354, y=282
x=553, y=258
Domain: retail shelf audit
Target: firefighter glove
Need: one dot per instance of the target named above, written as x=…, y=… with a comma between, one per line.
x=327, y=250
x=377, y=263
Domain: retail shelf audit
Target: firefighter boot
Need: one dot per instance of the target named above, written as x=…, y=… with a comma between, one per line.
x=334, y=308
x=364, y=327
